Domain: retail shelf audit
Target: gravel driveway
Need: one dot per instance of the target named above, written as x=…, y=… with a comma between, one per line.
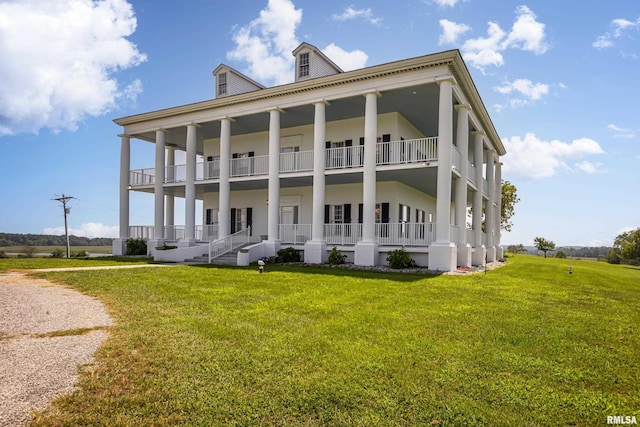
x=36, y=367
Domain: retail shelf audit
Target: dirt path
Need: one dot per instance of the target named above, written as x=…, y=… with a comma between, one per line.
x=46, y=332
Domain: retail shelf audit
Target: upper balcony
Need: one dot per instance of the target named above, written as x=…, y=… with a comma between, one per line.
x=421, y=152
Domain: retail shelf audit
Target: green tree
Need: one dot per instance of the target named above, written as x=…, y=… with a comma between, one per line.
x=517, y=249
x=507, y=209
x=543, y=245
x=628, y=244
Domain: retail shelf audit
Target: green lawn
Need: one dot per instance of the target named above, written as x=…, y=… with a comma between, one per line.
x=24, y=263
x=524, y=345
x=49, y=249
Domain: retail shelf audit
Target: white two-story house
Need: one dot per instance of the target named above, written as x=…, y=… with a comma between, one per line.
x=371, y=160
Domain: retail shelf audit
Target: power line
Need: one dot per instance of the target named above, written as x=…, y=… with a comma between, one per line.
x=64, y=199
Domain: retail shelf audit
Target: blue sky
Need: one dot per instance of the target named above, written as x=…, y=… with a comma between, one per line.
x=559, y=80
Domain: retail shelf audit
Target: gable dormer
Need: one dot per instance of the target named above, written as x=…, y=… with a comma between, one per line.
x=232, y=82
x=312, y=63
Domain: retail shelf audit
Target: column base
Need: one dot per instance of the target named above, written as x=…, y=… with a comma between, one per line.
x=366, y=254
x=499, y=252
x=491, y=253
x=271, y=247
x=119, y=246
x=479, y=254
x=464, y=255
x=315, y=252
x=443, y=256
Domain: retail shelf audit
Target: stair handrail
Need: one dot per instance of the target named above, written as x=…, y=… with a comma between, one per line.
x=228, y=243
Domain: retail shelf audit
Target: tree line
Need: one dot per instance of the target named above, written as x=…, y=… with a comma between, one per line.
x=13, y=239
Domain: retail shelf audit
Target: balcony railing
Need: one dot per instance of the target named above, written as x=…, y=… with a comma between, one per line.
x=387, y=153
x=296, y=234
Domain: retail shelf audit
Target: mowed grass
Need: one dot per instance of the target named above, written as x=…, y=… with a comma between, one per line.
x=49, y=249
x=526, y=344
x=25, y=263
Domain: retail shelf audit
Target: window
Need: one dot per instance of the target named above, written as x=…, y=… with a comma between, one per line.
x=303, y=67
x=222, y=84
x=241, y=218
x=242, y=164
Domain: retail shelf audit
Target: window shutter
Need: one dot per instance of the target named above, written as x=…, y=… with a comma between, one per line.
x=362, y=140
x=234, y=156
x=233, y=220
x=208, y=216
x=386, y=137
x=250, y=220
x=326, y=214
x=251, y=153
x=385, y=213
x=327, y=144
x=360, y=212
x=347, y=213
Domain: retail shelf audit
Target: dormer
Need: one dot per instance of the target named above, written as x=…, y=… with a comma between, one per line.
x=312, y=63
x=232, y=82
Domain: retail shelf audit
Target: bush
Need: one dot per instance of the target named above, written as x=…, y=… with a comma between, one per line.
x=561, y=254
x=3, y=254
x=29, y=251
x=288, y=255
x=58, y=253
x=136, y=247
x=399, y=258
x=613, y=257
x=336, y=257
x=79, y=254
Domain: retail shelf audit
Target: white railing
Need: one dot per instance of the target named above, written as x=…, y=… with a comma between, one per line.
x=229, y=243
x=142, y=176
x=342, y=234
x=485, y=186
x=296, y=234
x=249, y=166
x=405, y=234
x=209, y=232
x=141, y=232
x=407, y=151
x=387, y=153
x=455, y=157
x=471, y=175
x=296, y=162
x=344, y=157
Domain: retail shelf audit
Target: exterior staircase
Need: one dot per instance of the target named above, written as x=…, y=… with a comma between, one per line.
x=230, y=258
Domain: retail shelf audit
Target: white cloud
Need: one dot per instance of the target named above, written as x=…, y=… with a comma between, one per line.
x=621, y=132
x=619, y=27
x=89, y=230
x=346, y=60
x=64, y=55
x=533, y=158
x=351, y=13
x=524, y=89
x=526, y=34
x=446, y=3
x=266, y=43
x=451, y=31
x=590, y=168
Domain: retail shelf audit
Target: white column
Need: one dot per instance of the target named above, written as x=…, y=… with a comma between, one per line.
x=462, y=139
x=119, y=244
x=224, y=204
x=366, y=251
x=498, y=220
x=170, y=199
x=479, y=251
x=190, y=188
x=489, y=217
x=158, y=224
x=315, y=249
x=273, y=211
x=442, y=253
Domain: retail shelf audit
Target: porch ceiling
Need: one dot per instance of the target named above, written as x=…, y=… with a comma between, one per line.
x=418, y=104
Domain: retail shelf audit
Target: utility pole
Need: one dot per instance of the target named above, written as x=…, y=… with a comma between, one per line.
x=64, y=199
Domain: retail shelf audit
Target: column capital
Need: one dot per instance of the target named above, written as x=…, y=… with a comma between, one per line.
x=194, y=124
x=231, y=119
x=124, y=135
x=278, y=109
x=445, y=78
x=321, y=101
x=463, y=107
x=163, y=130
x=375, y=92
x=478, y=132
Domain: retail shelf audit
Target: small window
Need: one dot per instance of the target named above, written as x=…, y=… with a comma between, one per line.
x=222, y=84
x=303, y=65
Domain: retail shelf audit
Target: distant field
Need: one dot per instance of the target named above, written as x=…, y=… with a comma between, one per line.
x=49, y=249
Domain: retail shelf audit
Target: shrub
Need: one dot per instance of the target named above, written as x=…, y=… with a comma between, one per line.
x=29, y=251
x=3, y=254
x=399, y=258
x=561, y=254
x=79, y=254
x=288, y=255
x=136, y=247
x=336, y=257
x=57, y=253
x=613, y=257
